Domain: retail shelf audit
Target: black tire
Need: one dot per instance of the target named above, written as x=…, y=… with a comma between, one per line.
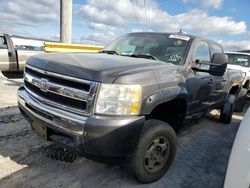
x=154, y=153
x=224, y=118
x=240, y=104
x=227, y=110
x=248, y=95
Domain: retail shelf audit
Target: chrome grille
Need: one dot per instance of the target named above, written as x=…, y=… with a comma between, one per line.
x=68, y=93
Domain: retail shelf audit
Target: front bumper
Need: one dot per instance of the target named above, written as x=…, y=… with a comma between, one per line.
x=101, y=136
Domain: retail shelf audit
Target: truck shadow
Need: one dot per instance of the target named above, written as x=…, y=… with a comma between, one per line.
x=202, y=154
x=214, y=115
x=15, y=82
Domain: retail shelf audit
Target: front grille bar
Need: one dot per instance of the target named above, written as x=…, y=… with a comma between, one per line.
x=45, y=85
x=57, y=105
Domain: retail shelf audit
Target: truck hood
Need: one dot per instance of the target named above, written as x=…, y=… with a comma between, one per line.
x=93, y=66
x=241, y=68
x=238, y=67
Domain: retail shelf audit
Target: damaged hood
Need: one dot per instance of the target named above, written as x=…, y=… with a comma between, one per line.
x=93, y=66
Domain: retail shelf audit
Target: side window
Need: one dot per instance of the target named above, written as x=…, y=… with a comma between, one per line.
x=216, y=49
x=2, y=43
x=201, y=52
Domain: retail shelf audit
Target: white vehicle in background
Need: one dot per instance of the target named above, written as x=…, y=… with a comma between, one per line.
x=240, y=61
x=14, y=51
x=238, y=171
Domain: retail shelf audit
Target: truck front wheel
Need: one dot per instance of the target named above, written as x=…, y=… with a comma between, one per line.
x=155, y=151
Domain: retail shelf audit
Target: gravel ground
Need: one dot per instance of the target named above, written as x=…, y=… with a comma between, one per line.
x=201, y=159
x=8, y=88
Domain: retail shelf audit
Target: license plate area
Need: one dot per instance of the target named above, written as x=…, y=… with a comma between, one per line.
x=39, y=129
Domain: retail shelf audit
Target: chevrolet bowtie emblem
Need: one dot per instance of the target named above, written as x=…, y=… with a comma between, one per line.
x=44, y=85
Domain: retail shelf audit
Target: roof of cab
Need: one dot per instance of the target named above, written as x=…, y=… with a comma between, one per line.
x=238, y=53
x=168, y=33
x=180, y=34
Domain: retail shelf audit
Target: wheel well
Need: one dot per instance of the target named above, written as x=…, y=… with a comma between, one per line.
x=172, y=112
x=234, y=90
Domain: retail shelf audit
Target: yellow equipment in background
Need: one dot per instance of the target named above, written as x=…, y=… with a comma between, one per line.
x=64, y=47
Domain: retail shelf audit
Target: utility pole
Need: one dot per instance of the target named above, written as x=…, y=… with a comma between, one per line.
x=65, y=21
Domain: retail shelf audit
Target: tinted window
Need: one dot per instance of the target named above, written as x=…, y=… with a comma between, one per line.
x=238, y=59
x=201, y=52
x=2, y=43
x=165, y=47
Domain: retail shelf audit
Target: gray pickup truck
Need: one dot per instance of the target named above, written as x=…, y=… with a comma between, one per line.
x=129, y=100
x=14, y=51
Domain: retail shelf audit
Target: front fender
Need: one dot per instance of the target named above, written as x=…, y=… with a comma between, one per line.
x=162, y=96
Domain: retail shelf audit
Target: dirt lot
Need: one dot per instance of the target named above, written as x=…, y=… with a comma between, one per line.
x=201, y=160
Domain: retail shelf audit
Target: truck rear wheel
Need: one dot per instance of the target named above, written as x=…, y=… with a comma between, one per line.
x=240, y=103
x=227, y=110
x=154, y=153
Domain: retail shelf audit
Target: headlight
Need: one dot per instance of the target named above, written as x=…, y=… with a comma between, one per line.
x=114, y=99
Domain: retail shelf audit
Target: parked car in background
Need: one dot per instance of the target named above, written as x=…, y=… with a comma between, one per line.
x=238, y=171
x=244, y=51
x=240, y=61
x=15, y=50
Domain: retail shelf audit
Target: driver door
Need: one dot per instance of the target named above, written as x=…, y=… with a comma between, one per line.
x=200, y=84
x=4, y=58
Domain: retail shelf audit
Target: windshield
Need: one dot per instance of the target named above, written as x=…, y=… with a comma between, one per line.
x=238, y=59
x=165, y=47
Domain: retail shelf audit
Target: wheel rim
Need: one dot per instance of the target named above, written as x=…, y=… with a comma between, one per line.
x=157, y=154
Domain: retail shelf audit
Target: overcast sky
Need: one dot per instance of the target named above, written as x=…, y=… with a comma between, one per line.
x=101, y=21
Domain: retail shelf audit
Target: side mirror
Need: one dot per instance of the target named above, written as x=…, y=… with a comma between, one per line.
x=216, y=67
x=219, y=64
x=219, y=59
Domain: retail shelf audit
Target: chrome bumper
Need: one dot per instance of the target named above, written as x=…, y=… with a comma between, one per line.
x=103, y=136
x=62, y=120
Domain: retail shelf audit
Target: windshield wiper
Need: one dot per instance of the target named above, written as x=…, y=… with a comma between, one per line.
x=143, y=56
x=131, y=55
x=109, y=52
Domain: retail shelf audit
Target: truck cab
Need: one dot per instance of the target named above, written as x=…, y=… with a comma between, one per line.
x=15, y=50
x=8, y=59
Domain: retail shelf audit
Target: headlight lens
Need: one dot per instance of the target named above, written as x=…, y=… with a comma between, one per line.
x=115, y=99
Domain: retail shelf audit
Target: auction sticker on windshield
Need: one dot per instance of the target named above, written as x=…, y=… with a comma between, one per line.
x=179, y=37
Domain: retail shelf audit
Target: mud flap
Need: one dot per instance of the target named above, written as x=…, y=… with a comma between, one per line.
x=39, y=129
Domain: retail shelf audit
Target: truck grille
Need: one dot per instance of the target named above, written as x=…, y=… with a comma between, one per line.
x=68, y=93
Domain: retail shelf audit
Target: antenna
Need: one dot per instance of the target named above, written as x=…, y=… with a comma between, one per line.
x=133, y=8
x=180, y=31
x=93, y=27
x=146, y=14
x=149, y=13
